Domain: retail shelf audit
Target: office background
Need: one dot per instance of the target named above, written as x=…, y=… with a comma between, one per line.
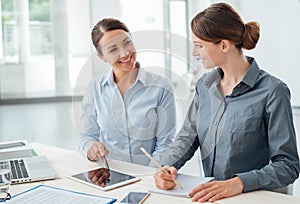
x=47, y=58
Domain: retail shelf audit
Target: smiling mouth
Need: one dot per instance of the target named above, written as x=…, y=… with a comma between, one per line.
x=126, y=60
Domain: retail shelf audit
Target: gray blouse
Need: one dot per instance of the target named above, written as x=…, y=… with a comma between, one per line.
x=249, y=133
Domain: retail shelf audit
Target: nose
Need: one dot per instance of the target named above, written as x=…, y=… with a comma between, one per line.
x=123, y=52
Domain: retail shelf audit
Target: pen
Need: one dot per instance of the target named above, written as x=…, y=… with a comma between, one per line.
x=105, y=160
x=159, y=166
x=106, y=164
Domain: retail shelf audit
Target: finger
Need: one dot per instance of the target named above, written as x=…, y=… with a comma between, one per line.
x=201, y=187
x=218, y=196
x=168, y=173
x=173, y=172
x=162, y=177
x=101, y=149
x=165, y=176
x=92, y=152
x=100, y=157
x=199, y=195
x=165, y=185
x=202, y=193
x=91, y=155
x=207, y=196
x=162, y=183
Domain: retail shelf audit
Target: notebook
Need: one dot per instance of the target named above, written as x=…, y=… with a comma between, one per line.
x=186, y=181
x=30, y=169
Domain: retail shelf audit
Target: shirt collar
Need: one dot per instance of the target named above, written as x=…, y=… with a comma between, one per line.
x=108, y=77
x=249, y=78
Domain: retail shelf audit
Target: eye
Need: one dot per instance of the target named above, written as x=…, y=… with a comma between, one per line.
x=112, y=50
x=197, y=46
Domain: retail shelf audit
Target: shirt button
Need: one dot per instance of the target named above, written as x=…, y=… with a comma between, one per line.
x=215, y=123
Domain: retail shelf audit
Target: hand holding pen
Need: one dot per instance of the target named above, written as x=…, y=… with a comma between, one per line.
x=97, y=151
x=169, y=174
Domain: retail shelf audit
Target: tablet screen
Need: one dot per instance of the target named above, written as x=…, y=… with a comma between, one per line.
x=104, y=179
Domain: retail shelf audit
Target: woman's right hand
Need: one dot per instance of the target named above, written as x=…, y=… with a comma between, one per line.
x=165, y=181
x=97, y=151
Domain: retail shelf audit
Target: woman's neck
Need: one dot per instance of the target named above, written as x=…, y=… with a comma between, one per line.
x=234, y=71
x=124, y=80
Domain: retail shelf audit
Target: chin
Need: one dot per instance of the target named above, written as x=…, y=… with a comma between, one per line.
x=125, y=67
x=209, y=67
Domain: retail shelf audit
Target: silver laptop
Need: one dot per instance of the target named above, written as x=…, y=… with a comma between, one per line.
x=30, y=169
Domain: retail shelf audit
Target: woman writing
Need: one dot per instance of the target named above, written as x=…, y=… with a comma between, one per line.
x=241, y=116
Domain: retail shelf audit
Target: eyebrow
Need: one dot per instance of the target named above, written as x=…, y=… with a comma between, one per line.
x=112, y=46
x=125, y=39
x=197, y=42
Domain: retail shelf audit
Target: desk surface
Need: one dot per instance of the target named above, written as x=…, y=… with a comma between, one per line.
x=68, y=162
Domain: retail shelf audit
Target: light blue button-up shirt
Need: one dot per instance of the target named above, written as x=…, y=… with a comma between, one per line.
x=146, y=117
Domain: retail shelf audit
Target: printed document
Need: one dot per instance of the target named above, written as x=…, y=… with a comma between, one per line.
x=43, y=194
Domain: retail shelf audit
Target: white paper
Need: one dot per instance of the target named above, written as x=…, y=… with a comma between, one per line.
x=48, y=195
x=186, y=181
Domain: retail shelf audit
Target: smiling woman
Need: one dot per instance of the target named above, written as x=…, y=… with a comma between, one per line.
x=127, y=108
x=118, y=50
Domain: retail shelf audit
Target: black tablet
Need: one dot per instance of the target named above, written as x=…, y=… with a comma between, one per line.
x=104, y=179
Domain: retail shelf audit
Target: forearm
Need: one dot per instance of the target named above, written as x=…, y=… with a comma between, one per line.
x=188, y=155
x=179, y=152
x=272, y=176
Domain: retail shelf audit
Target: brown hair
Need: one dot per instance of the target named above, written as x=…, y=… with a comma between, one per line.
x=104, y=25
x=220, y=21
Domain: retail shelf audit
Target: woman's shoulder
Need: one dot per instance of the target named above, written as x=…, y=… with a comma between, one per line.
x=154, y=78
x=270, y=82
x=96, y=82
x=208, y=78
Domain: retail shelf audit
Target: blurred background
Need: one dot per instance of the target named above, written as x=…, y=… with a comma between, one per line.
x=47, y=57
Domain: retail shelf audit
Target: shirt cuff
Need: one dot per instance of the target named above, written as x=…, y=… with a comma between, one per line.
x=249, y=180
x=86, y=148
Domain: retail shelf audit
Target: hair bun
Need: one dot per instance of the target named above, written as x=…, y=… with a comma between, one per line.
x=251, y=35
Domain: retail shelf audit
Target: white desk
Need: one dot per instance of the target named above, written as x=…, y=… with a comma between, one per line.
x=67, y=162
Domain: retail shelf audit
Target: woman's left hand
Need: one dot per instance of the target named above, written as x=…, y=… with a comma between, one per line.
x=216, y=190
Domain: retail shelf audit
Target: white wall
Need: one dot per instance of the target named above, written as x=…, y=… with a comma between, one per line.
x=79, y=27
x=104, y=8
x=277, y=51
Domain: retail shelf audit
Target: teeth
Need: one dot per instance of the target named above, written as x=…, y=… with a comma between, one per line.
x=126, y=60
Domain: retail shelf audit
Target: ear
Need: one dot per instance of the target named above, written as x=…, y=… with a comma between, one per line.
x=101, y=57
x=225, y=45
